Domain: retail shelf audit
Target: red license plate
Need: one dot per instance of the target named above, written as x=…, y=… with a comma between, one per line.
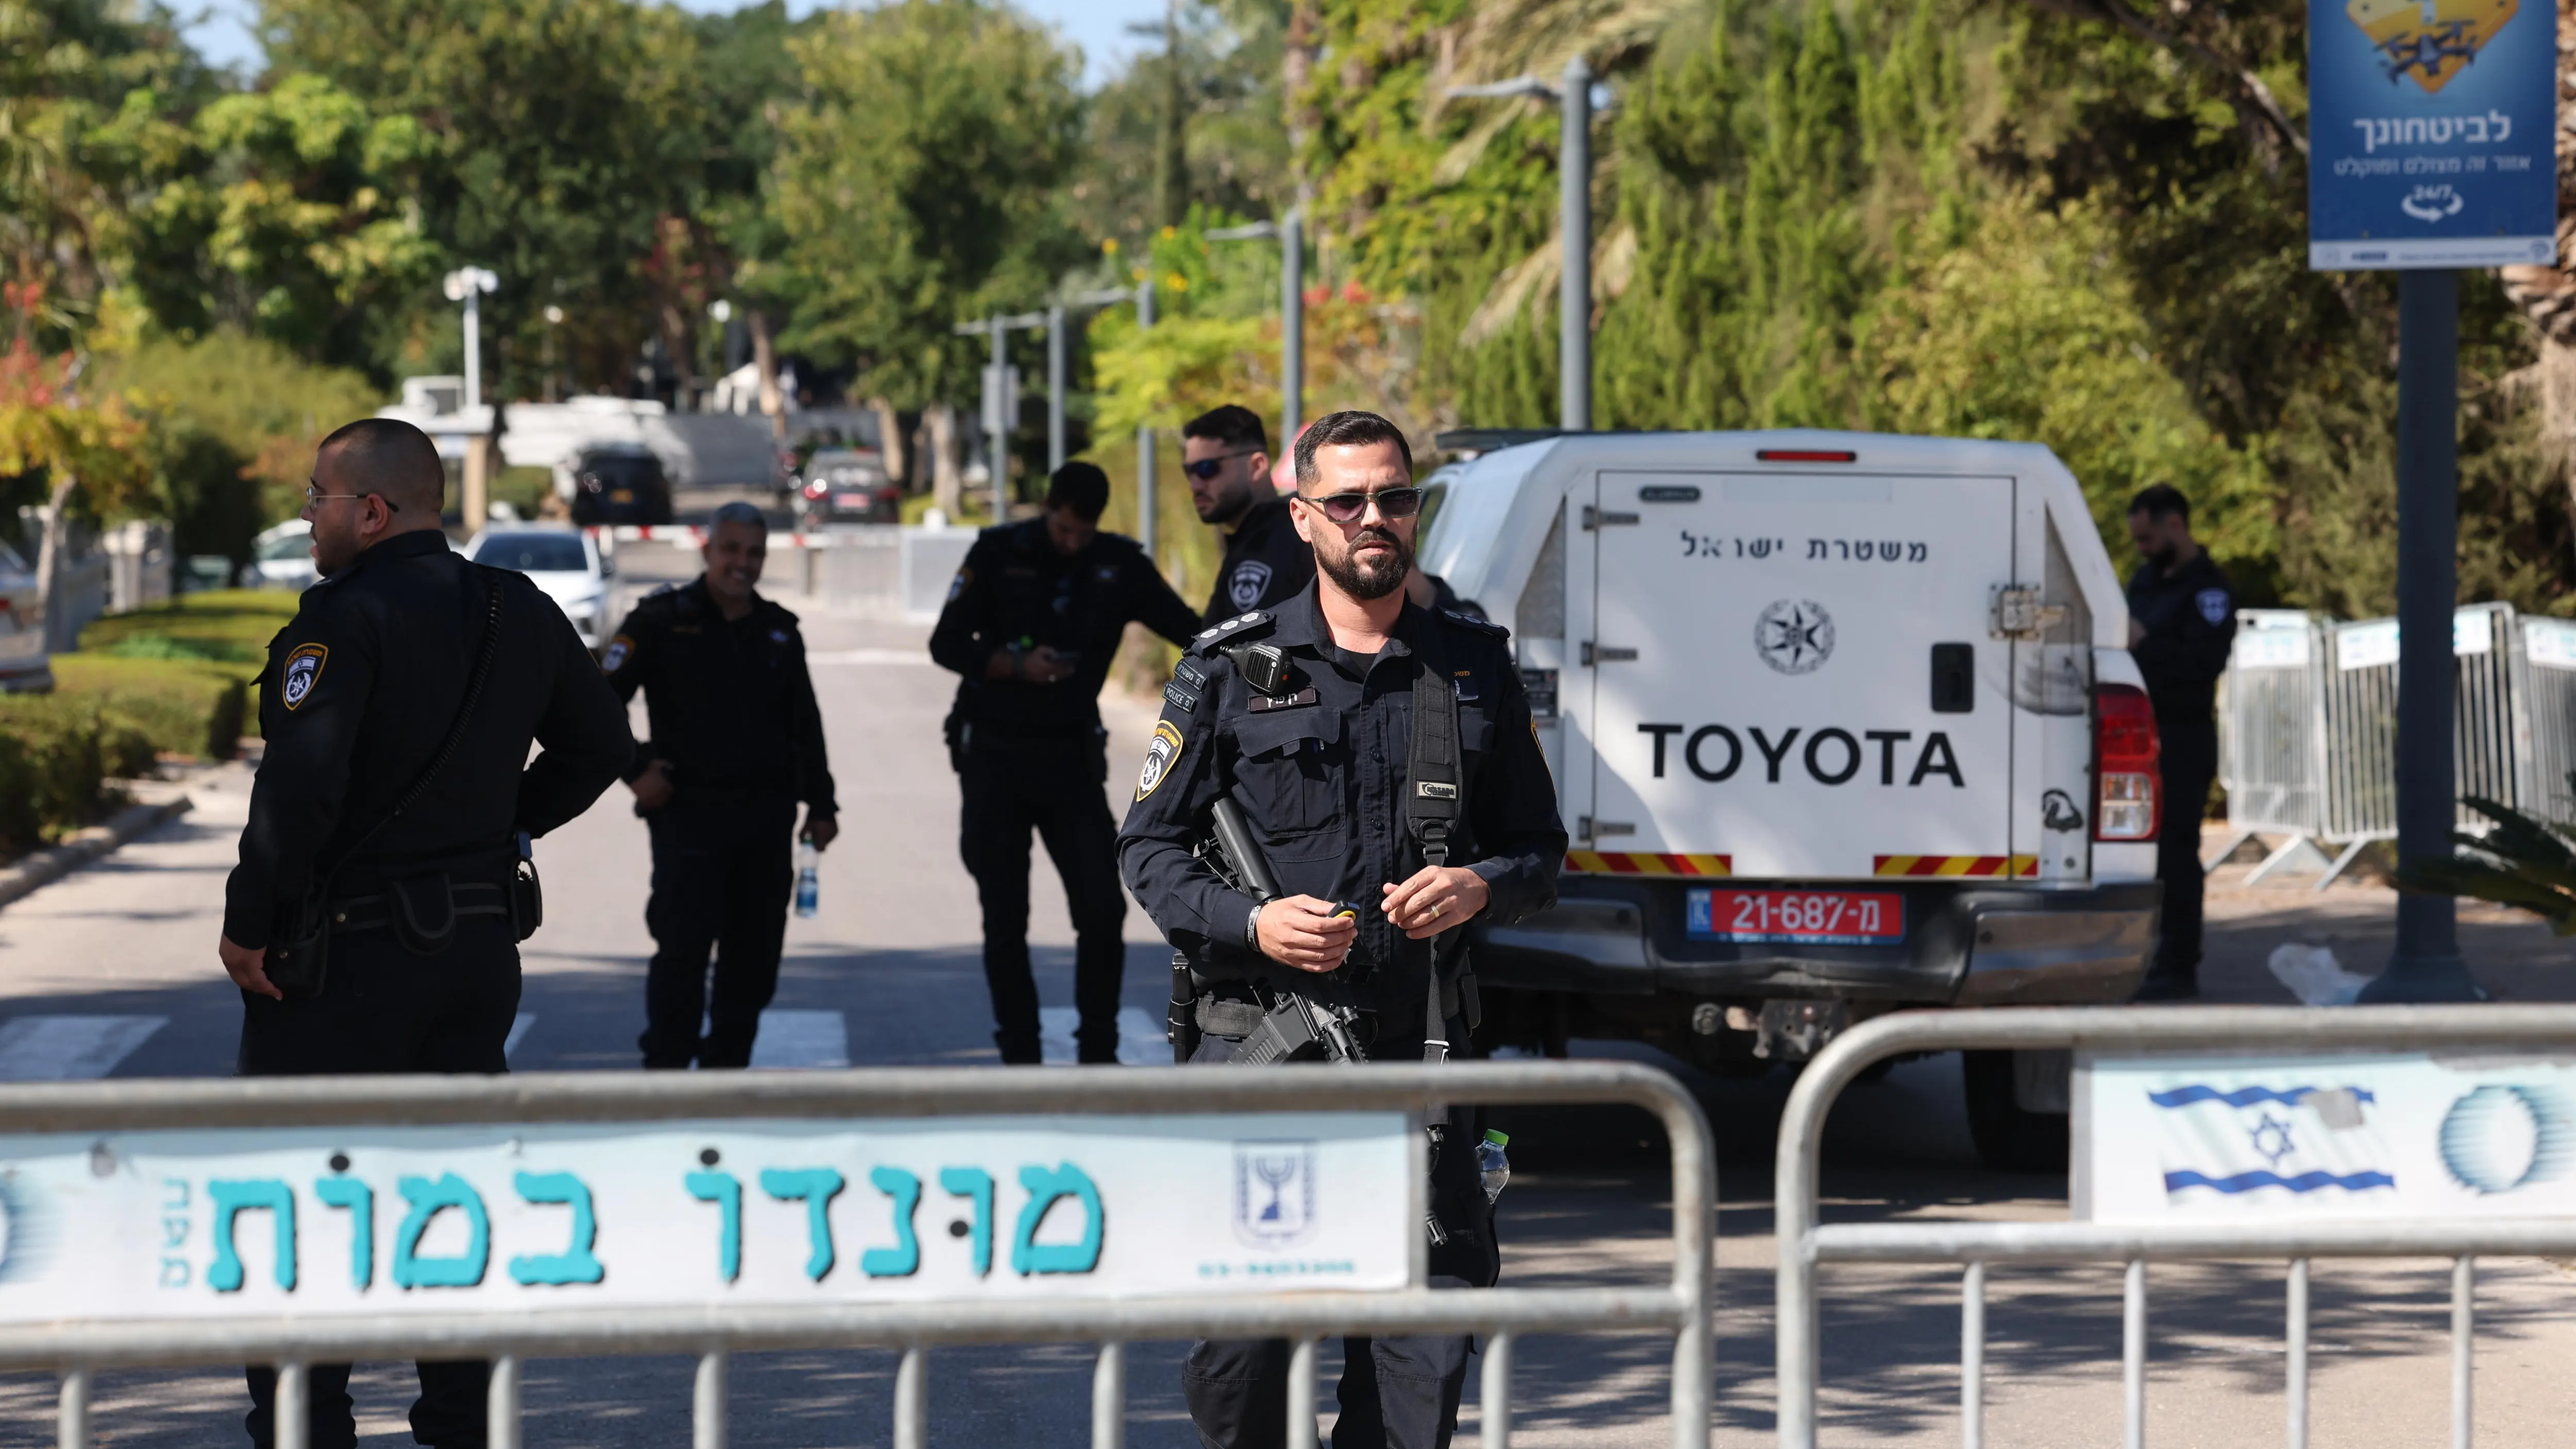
x=1845, y=918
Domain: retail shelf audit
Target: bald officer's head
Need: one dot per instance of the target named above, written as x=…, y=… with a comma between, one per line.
x=372, y=479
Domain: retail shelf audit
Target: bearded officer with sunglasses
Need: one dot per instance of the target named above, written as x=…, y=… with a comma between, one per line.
x=1304, y=717
x=374, y=920
x=1225, y=453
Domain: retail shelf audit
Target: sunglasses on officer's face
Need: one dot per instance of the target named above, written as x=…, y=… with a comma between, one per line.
x=1351, y=507
x=1206, y=469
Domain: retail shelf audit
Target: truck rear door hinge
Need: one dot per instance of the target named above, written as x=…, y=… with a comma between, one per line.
x=2019, y=614
x=1594, y=518
x=1601, y=654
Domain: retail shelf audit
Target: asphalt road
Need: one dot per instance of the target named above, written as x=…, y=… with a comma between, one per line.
x=112, y=972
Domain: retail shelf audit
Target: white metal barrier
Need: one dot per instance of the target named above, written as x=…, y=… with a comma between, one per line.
x=2308, y=728
x=492, y=1115
x=1806, y=1244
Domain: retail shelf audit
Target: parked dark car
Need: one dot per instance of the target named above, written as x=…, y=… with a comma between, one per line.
x=847, y=485
x=619, y=485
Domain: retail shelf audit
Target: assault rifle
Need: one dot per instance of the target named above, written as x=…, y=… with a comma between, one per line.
x=1293, y=1027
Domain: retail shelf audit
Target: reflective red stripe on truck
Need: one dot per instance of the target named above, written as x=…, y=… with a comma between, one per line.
x=1638, y=862
x=1986, y=866
x=2128, y=803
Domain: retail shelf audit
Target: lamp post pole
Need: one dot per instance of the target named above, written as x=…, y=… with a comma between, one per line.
x=1574, y=226
x=1145, y=502
x=1573, y=96
x=1291, y=233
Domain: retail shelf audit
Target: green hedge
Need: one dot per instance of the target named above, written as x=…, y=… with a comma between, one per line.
x=184, y=707
x=56, y=754
x=227, y=629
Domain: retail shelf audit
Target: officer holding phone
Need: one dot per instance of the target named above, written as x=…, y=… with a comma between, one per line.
x=1032, y=623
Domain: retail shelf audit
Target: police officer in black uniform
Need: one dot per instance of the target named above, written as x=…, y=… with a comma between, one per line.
x=2182, y=618
x=1225, y=453
x=737, y=741
x=1321, y=762
x=374, y=920
x=1032, y=623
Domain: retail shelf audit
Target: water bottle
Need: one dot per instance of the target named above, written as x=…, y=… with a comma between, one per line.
x=1491, y=1162
x=809, y=886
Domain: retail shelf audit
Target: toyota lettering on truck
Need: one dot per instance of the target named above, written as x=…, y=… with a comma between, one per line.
x=1842, y=724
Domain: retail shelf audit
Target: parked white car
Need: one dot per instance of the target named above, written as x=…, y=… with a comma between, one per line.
x=282, y=558
x=565, y=563
x=24, y=665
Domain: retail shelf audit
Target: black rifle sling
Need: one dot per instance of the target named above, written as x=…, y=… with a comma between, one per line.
x=493, y=590
x=1432, y=794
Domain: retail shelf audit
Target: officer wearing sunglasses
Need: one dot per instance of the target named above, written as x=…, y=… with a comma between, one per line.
x=1225, y=454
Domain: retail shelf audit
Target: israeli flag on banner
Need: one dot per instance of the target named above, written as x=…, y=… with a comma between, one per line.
x=2224, y=1135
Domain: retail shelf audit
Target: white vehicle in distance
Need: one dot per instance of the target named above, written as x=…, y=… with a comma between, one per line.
x=1841, y=724
x=282, y=558
x=565, y=563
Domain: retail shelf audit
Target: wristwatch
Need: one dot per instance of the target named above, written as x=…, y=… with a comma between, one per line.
x=1252, y=928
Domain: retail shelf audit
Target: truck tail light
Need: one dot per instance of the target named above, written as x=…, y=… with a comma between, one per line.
x=1806, y=455
x=2130, y=805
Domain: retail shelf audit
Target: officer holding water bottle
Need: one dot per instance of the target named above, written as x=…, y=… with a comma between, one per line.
x=737, y=743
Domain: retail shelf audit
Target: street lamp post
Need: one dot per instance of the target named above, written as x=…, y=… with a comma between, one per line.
x=474, y=500
x=1000, y=399
x=1143, y=297
x=1574, y=230
x=1291, y=232
x=466, y=285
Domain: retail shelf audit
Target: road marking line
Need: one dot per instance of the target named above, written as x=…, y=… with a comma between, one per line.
x=70, y=1048
x=790, y=1039
x=869, y=656
x=1140, y=1036
x=518, y=1029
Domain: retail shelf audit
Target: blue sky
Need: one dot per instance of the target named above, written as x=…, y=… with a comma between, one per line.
x=1098, y=26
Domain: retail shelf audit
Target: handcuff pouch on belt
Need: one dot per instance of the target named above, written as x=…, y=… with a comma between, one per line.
x=298, y=960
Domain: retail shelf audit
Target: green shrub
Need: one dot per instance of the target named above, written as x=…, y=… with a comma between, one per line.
x=56, y=755
x=184, y=706
x=228, y=629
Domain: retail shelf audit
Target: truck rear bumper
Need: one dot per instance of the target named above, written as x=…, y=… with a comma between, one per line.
x=1965, y=945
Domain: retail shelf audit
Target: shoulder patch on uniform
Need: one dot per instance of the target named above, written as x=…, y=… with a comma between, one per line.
x=302, y=672
x=1246, y=584
x=1470, y=621
x=1189, y=674
x=1159, y=755
x=1179, y=698
x=2213, y=605
x=614, y=657
x=1241, y=626
x=958, y=584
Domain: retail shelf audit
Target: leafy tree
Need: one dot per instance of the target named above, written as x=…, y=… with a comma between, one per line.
x=560, y=134
x=919, y=185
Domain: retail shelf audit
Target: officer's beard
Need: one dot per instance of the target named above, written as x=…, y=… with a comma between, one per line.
x=1375, y=576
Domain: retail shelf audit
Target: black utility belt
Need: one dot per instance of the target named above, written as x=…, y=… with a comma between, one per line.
x=422, y=911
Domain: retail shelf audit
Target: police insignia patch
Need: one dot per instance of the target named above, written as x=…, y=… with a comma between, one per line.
x=614, y=657
x=1159, y=755
x=1250, y=577
x=303, y=671
x=2213, y=605
x=958, y=584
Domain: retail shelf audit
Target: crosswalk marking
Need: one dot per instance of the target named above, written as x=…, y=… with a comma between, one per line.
x=1140, y=1036
x=518, y=1029
x=801, y=1039
x=70, y=1048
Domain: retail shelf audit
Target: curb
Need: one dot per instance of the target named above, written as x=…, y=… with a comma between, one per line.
x=45, y=867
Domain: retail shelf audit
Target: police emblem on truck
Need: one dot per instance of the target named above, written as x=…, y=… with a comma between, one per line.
x=1794, y=636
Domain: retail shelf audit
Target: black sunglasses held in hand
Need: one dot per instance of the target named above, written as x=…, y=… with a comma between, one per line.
x=1350, y=507
x=1206, y=469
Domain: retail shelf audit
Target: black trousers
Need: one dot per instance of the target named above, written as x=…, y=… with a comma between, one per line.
x=384, y=1009
x=1395, y=1393
x=1053, y=787
x=723, y=871
x=2190, y=763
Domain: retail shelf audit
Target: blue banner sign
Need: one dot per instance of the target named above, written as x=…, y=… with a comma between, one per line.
x=319, y=1220
x=2432, y=133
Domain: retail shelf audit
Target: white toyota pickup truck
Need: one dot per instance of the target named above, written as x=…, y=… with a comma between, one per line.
x=1841, y=723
